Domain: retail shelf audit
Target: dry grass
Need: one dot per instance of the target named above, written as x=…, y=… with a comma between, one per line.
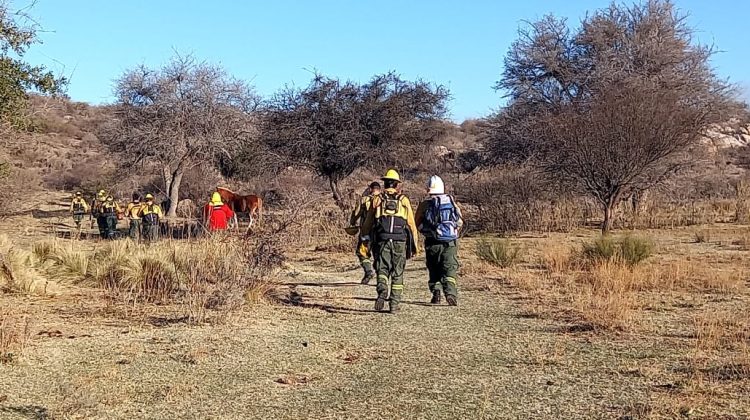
x=558, y=259
x=14, y=333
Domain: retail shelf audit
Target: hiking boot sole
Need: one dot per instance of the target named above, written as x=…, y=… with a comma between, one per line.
x=452, y=300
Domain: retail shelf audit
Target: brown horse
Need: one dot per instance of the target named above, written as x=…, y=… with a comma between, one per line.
x=251, y=204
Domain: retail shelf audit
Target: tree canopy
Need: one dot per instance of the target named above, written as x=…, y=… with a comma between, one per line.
x=18, y=33
x=611, y=107
x=335, y=127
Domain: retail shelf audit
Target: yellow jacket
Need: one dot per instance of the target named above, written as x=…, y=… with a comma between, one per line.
x=134, y=210
x=79, y=202
x=367, y=227
x=359, y=214
x=147, y=209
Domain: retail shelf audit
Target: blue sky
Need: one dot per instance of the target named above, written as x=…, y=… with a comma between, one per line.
x=457, y=43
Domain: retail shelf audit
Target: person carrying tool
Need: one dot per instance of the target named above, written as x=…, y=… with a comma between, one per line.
x=439, y=220
x=151, y=214
x=216, y=214
x=78, y=207
x=391, y=226
x=357, y=219
x=133, y=212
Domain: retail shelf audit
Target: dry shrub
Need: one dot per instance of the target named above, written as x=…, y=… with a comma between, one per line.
x=693, y=276
x=14, y=333
x=604, y=309
x=513, y=199
x=20, y=271
x=702, y=236
x=557, y=259
x=722, y=330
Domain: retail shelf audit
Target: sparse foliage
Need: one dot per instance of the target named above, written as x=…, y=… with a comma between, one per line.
x=182, y=115
x=335, y=127
x=611, y=108
x=18, y=32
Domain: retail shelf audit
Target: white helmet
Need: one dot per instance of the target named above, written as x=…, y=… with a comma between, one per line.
x=436, y=185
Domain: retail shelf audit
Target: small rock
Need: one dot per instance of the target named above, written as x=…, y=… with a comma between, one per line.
x=550, y=382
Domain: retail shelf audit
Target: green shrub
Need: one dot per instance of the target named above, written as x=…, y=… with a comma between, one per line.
x=628, y=249
x=500, y=252
x=602, y=249
x=634, y=249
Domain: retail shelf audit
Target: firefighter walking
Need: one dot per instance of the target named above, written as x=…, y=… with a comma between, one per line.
x=79, y=208
x=357, y=219
x=391, y=226
x=133, y=212
x=151, y=215
x=439, y=220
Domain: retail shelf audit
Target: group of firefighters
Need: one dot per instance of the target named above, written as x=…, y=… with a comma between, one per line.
x=144, y=216
x=387, y=227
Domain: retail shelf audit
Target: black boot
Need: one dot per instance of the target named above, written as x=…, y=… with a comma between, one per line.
x=380, y=301
x=436, y=298
x=368, y=276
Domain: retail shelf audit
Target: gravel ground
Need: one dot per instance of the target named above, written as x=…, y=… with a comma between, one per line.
x=333, y=357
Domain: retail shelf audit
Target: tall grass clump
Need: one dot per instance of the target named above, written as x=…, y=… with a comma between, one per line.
x=20, y=271
x=629, y=250
x=499, y=252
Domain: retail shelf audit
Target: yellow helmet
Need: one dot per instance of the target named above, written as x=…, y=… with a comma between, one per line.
x=392, y=175
x=102, y=193
x=79, y=194
x=216, y=199
x=149, y=196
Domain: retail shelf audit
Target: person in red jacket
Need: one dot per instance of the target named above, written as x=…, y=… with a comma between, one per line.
x=217, y=214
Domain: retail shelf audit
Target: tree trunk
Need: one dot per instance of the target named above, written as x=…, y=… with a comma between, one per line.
x=335, y=190
x=174, y=191
x=607, y=223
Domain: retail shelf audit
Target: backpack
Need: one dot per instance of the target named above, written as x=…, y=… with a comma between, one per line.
x=78, y=207
x=391, y=221
x=441, y=219
x=150, y=218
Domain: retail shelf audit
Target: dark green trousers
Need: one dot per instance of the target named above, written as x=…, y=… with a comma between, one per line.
x=111, y=226
x=442, y=264
x=135, y=229
x=101, y=223
x=151, y=232
x=391, y=261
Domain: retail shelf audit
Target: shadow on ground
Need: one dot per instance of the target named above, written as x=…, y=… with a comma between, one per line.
x=27, y=411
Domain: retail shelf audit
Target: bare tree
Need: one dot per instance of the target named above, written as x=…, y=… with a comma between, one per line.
x=184, y=114
x=611, y=108
x=335, y=127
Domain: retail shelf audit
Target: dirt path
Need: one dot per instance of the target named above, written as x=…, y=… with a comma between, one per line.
x=330, y=357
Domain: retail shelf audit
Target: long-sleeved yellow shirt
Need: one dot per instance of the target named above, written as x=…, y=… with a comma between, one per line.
x=367, y=227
